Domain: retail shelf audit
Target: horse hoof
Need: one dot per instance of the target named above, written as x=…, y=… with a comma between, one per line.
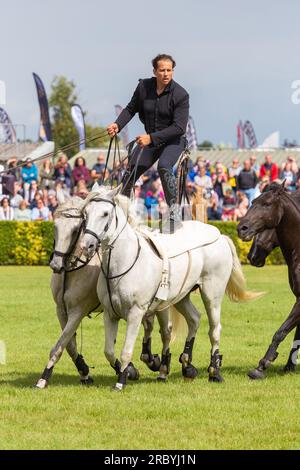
x=216, y=378
x=161, y=379
x=87, y=381
x=41, y=384
x=289, y=368
x=133, y=373
x=189, y=372
x=256, y=374
x=118, y=387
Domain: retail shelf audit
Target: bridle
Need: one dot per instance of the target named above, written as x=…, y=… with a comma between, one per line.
x=65, y=213
x=107, y=225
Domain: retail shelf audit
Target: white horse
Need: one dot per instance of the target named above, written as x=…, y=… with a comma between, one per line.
x=75, y=295
x=131, y=275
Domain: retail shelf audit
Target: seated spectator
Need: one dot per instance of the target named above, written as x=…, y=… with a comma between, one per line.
x=11, y=166
x=47, y=177
x=98, y=167
x=219, y=178
x=233, y=172
x=247, y=181
x=229, y=203
x=41, y=212
x=16, y=196
x=6, y=212
x=289, y=177
x=30, y=193
x=203, y=180
x=292, y=162
x=23, y=212
x=214, y=209
x=52, y=203
x=152, y=197
x=29, y=172
x=242, y=206
x=80, y=171
x=81, y=189
x=63, y=173
x=254, y=165
x=269, y=169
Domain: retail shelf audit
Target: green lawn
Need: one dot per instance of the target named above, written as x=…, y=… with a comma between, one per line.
x=238, y=414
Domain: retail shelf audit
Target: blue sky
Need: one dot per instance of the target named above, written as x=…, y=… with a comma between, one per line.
x=237, y=59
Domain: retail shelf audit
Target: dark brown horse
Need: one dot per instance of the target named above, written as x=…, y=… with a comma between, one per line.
x=276, y=209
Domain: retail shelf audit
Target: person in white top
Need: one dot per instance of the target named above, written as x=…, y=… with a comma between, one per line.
x=6, y=212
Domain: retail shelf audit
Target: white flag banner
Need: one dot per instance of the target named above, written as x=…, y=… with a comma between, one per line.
x=8, y=133
x=272, y=141
x=78, y=119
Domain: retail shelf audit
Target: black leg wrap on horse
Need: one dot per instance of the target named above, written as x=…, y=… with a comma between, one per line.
x=188, y=349
x=292, y=361
x=166, y=360
x=46, y=375
x=214, y=367
x=151, y=360
x=132, y=372
x=122, y=377
x=117, y=366
x=81, y=365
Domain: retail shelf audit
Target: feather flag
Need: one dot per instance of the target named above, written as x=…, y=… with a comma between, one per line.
x=8, y=130
x=78, y=119
x=45, y=126
x=240, y=135
x=249, y=131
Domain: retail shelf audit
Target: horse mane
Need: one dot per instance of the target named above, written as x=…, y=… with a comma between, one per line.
x=274, y=187
x=125, y=204
x=71, y=203
x=128, y=208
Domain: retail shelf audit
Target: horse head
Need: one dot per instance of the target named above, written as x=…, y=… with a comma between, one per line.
x=101, y=220
x=68, y=220
x=265, y=213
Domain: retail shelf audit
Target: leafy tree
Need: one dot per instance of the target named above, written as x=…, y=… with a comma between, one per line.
x=61, y=99
x=205, y=144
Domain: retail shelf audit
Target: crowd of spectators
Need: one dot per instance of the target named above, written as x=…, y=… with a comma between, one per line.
x=29, y=192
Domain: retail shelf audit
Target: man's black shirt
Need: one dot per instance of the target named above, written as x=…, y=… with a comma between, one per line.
x=164, y=116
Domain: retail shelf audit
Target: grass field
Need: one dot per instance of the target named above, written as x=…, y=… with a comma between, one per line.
x=238, y=414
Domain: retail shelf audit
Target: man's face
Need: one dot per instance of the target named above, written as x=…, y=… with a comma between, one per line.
x=164, y=72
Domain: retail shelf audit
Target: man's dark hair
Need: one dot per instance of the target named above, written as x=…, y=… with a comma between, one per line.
x=162, y=57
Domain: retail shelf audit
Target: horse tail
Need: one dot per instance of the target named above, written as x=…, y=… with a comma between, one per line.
x=179, y=325
x=236, y=286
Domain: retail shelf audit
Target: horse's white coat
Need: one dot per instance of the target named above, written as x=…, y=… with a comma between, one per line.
x=212, y=267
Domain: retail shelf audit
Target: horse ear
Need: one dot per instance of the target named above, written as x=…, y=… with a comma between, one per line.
x=96, y=187
x=113, y=193
x=283, y=183
x=60, y=196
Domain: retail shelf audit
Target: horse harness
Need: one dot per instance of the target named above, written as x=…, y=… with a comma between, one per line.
x=111, y=246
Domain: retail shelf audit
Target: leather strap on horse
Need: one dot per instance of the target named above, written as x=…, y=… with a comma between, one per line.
x=108, y=278
x=182, y=172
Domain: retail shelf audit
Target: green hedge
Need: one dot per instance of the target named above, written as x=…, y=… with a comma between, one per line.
x=26, y=243
x=31, y=243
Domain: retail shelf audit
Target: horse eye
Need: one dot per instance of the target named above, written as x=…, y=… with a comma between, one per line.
x=105, y=214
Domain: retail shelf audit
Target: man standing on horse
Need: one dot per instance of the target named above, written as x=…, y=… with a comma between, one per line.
x=163, y=107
